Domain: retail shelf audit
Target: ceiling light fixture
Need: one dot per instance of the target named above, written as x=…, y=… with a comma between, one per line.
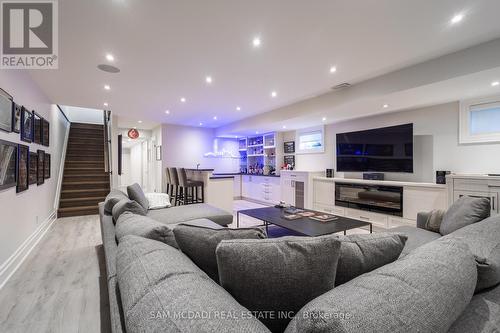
x=167, y=111
x=495, y=83
x=457, y=18
x=385, y=106
x=215, y=117
x=183, y=99
x=323, y=119
x=201, y=124
x=256, y=42
x=107, y=87
x=105, y=104
x=333, y=69
x=238, y=108
x=109, y=57
x=140, y=121
x=256, y=132
x=284, y=126
x=208, y=79
x=274, y=94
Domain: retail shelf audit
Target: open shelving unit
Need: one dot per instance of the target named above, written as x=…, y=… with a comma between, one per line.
x=258, y=154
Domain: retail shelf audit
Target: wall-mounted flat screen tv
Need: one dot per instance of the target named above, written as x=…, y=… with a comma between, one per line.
x=387, y=149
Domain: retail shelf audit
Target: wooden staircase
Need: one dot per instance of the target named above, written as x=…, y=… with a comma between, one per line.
x=85, y=182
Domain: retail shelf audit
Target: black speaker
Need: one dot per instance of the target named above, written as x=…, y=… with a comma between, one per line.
x=330, y=173
x=441, y=176
x=373, y=176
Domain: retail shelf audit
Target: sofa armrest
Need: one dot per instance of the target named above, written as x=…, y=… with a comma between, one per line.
x=422, y=218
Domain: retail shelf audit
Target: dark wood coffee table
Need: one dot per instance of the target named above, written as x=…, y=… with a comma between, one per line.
x=304, y=225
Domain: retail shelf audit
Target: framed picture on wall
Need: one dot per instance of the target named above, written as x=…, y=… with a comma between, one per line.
x=6, y=102
x=16, y=117
x=40, y=168
x=46, y=172
x=45, y=132
x=23, y=156
x=37, y=128
x=289, y=147
x=26, y=125
x=8, y=164
x=33, y=160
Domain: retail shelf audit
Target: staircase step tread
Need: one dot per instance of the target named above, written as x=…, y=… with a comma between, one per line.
x=84, y=190
x=83, y=199
x=87, y=182
x=72, y=209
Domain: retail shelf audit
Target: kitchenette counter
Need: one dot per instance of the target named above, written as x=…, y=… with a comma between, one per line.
x=218, y=189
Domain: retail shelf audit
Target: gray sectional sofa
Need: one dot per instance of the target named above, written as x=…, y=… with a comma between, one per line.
x=432, y=287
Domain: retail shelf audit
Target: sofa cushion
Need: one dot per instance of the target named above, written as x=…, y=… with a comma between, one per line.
x=425, y=291
x=127, y=205
x=463, y=212
x=112, y=199
x=158, y=200
x=483, y=238
x=482, y=315
x=276, y=277
x=135, y=192
x=163, y=291
x=132, y=224
x=416, y=237
x=363, y=253
x=185, y=213
x=199, y=243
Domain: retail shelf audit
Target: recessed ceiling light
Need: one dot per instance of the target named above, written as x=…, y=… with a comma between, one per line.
x=457, y=18
x=238, y=108
x=109, y=57
x=385, y=106
x=105, y=104
x=107, y=87
x=274, y=94
x=256, y=42
x=167, y=111
x=183, y=99
x=284, y=126
x=323, y=119
x=333, y=69
x=201, y=124
x=140, y=121
x=215, y=117
x=257, y=132
x=494, y=84
x=208, y=79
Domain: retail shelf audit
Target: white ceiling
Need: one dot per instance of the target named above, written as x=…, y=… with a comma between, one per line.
x=166, y=48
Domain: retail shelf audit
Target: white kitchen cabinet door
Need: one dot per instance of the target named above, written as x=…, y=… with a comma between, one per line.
x=245, y=186
x=324, y=192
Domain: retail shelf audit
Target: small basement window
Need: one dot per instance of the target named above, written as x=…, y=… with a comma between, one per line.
x=480, y=120
x=310, y=140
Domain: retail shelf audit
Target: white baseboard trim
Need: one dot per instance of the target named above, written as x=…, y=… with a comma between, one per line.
x=10, y=266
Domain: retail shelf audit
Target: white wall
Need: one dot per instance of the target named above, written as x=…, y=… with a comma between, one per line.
x=25, y=213
x=126, y=178
x=83, y=115
x=184, y=146
x=436, y=144
x=135, y=164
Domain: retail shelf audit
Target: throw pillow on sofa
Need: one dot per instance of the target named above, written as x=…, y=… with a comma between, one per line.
x=463, y=212
x=276, y=277
x=199, y=243
x=483, y=239
x=135, y=193
x=426, y=291
x=161, y=290
x=158, y=200
x=112, y=199
x=127, y=205
x=133, y=224
x=360, y=254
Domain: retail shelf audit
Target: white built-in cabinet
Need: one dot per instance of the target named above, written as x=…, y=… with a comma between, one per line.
x=261, y=188
x=417, y=197
x=479, y=186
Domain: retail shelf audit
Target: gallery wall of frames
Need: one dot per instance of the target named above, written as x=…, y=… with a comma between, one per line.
x=22, y=165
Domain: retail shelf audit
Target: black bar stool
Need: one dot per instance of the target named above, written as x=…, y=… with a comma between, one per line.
x=174, y=185
x=192, y=186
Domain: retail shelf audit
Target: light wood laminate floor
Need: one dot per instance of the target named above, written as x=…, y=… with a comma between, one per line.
x=61, y=286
